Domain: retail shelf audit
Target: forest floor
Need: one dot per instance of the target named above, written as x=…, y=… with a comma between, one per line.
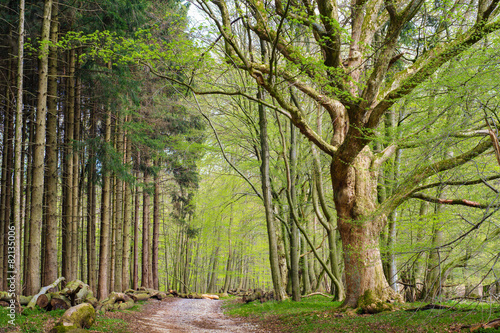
x=313, y=314
x=181, y=315
x=173, y=315
x=318, y=314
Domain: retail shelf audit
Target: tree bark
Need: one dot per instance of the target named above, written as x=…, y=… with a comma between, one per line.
x=67, y=222
x=354, y=187
x=294, y=232
x=267, y=198
x=135, y=278
x=92, y=209
x=51, y=175
x=156, y=230
x=7, y=167
x=17, y=186
x=102, y=285
x=146, y=246
x=127, y=211
x=75, y=218
x=33, y=282
x=119, y=214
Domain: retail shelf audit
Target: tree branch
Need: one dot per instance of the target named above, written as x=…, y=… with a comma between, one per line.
x=223, y=151
x=408, y=79
x=460, y=202
x=458, y=183
x=406, y=189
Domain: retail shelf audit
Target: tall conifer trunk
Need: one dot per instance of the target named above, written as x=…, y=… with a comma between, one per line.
x=127, y=211
x=135, y=274
x=7, y=168
x=17, y=188
x=102, y=284
x=91, y=209
x=51, y=176
x=119, y=216
x=156, y=229
x=68, y=207
x=146, y=259
x=75, y=218
x=33, y=282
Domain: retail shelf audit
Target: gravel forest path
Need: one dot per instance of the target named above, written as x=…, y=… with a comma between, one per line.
x=189, y=315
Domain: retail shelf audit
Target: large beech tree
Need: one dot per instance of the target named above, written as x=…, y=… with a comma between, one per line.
x=342, y=55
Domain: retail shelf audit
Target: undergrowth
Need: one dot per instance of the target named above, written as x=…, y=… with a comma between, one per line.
x=318, y=314
x=40, y=321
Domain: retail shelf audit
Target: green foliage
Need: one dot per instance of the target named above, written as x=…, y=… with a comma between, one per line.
x=317, y=314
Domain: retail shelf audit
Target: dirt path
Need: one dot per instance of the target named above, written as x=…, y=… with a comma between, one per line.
x=189, y=315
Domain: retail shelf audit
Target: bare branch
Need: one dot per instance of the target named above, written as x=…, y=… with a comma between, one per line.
x=224, y=152
x=458, y=183
x=406, y=189
x=460, y=202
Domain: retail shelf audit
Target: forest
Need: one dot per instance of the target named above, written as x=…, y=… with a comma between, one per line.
x=344, y=148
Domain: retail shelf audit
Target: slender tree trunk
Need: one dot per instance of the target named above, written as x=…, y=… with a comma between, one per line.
x=92, y=209
x=51, y=175
x=156, y=230
x=67, y=223
x=145, y=228
x=126, y=221
x=213, y=276
x=75, y=218
x=337, y=288
x=112, y=257
x=17, y=188
x=102, y=284
x=229, y=255
x=294, y=233
x=26, y=232
x=7, y=175
x=119, y=216
x=305, y=269
x=135, y=278
x=33, y=282
x=266, y=194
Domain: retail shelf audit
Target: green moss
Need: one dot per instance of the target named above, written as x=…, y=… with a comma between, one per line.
x=63, y=328
x=80, y=316
x=370, y=303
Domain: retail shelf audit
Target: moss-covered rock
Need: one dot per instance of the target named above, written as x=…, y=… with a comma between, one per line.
x=77, y=317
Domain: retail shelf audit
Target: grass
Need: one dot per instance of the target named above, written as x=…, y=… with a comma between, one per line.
x=318, y=314
x=39, y=321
